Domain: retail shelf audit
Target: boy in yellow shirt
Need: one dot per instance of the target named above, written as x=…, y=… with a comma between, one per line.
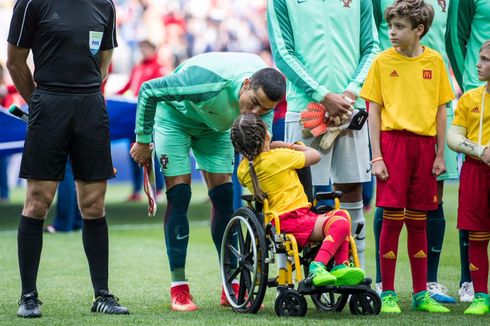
x=470, y=134
x=407, y=88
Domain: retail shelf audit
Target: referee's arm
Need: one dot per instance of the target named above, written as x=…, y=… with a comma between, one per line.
x=105, y=62
x=19, y=71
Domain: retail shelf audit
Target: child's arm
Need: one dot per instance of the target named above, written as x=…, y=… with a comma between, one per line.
x=312, y=156
x=439, y=166
x=457, y=141
x=378, y=165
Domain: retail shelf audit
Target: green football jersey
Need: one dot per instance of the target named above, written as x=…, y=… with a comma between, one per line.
x=468, y=29
x=321, y=46
x=204, y=88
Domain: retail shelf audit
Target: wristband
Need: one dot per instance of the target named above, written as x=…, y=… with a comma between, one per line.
x=376, y=159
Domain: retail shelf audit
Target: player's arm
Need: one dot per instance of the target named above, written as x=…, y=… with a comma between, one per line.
x=369, y=47
x=193, y=84
x=378, y=167
x=19, y=71
x=458, y=142
x=377, y=13
x=439, y=166
x=460, y=18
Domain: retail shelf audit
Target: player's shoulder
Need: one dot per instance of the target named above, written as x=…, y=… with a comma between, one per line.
x=475, y=93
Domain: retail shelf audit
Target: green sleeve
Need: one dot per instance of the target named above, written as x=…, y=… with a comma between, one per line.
x=461, y=13
x=195, y=84
x=377, y=13
x=369, y=47
x=282, y=44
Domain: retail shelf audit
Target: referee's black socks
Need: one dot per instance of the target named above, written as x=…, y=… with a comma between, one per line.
x=29, y=246
x=96, y=244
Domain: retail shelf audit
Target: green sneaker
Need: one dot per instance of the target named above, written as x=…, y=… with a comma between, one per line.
x=480, y=305
x=319, y=275
x=389, y=303
x=423, y=302
x=348, y=275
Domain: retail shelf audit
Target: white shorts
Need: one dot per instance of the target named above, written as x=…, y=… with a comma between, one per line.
x=346, y=161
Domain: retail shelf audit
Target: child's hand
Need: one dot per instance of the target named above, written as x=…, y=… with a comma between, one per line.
x=439, y=166
x=486, y=156
x=380, y=171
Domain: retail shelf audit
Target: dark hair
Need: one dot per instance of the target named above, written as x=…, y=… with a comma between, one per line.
x=417, y=11
x=272, y=82
x=248, y=136
x=485, y=46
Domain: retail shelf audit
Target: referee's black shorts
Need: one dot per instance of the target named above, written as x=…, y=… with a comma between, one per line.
x=62, y=125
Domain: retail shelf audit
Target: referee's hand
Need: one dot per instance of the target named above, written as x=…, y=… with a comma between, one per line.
x=141, y=153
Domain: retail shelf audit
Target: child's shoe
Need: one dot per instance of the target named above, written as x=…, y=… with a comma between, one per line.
x=348, y=275
x=423, y=302
x=319, y=275
x=479, y=306
x=389, y=302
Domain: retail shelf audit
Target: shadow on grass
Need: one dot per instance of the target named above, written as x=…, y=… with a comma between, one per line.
x=117, y=213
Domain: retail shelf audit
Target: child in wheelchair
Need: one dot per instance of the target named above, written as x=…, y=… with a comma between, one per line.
x=268, y=170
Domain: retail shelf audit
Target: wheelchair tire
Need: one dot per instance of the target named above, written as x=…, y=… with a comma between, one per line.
x=330, y=301
x=365, y=303
x=244, y=259
x=290, y=304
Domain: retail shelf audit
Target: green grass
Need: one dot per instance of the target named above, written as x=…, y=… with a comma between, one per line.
x=139, y=274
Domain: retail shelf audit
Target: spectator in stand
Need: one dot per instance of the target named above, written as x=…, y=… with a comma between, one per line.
x=147, y=69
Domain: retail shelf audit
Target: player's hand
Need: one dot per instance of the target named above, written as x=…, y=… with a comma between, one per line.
x=439, y=166
x=337, y=105
x=351, y=96
x=141, y=153
x=486, y=156
x=379, y=170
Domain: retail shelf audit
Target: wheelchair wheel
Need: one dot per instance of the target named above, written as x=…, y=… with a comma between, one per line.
x=330, y=301
x=243, y=258
x=290, y=303
x=365, y=303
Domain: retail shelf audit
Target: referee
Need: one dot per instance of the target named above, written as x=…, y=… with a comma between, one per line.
x=72, y=44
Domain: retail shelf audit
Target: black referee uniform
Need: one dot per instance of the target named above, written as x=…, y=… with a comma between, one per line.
x=67, y=117
x=67, y=110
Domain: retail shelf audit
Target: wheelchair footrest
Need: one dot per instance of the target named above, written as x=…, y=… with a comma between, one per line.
x=306, y=287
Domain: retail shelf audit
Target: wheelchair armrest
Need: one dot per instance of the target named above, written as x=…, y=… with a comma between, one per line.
x=328, y=195
x=248, y=198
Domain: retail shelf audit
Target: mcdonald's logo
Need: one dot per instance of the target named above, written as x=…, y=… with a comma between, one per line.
x=427, y=74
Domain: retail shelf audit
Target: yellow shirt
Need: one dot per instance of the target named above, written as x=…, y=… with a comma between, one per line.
x=468, y=112
x=409, y=90
x=277, y=177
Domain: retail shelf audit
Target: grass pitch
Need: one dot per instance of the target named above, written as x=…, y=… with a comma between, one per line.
x=139, y=274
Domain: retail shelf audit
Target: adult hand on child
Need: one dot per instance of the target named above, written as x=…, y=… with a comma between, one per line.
x=380, y=171
x=439, y=166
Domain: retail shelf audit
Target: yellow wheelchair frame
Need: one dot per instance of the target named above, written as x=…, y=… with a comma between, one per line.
x=252, y=241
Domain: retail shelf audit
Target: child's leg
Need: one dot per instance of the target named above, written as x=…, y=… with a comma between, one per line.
x=333, y=229
x=388, y=245
x=463, y=257
x=417, y=248
x=436, y=225
x=479, y=260
x=378, y=222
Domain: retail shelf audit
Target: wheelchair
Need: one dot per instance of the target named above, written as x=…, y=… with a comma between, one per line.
x=251, y=243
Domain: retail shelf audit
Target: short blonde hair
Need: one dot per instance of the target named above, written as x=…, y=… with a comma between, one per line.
x=417, y=11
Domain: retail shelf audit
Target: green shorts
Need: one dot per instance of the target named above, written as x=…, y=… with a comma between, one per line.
x=176, y=135
x=451, y=159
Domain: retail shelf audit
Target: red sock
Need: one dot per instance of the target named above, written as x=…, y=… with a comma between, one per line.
x=335, y=229
x=388, y=245
x=417, y=247
x=479, y=260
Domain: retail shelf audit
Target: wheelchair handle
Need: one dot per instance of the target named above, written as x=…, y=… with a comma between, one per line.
x=328, y=195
